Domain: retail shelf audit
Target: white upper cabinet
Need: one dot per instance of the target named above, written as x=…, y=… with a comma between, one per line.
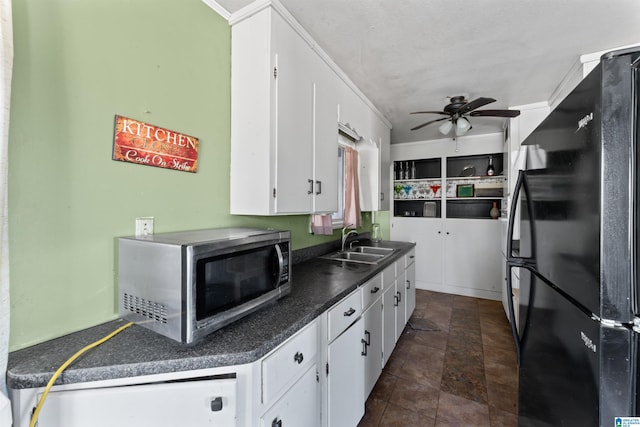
x=287, y=97
x=283, y=120
x=325, y=137
x=373, y=148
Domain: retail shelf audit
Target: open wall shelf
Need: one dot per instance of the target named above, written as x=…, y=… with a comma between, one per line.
x=466, y=191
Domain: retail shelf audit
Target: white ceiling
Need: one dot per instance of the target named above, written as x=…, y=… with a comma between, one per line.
x=411, y=55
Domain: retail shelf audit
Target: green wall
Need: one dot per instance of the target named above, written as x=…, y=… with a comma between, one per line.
x=76, y=65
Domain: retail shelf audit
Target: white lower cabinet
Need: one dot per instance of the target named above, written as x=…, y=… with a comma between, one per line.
x=473, y=257
x=457, y=256
x=300, y=405
x=399, y=303
x=388, y=322
x=372, y=318
x=186, y=403
x=410, y=283
x=283, y=366
x=345, y=378
x=428, y=234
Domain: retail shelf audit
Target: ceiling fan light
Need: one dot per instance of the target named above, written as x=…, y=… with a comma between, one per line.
x=445, y=128
x=462, y=126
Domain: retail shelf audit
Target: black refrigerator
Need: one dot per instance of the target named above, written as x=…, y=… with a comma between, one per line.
x=577, y=337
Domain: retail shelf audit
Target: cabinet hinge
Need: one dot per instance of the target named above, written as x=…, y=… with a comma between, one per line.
x=275, y=72
x=274, y=192
x=327, y=368
x=317, y=376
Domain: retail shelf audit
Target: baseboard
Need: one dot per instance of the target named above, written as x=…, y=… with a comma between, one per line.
x=459, y=290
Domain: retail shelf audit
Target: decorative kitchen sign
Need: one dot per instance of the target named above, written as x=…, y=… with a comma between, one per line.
x=138, y=142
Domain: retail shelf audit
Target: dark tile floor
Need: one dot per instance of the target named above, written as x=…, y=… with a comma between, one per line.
x=460, y=371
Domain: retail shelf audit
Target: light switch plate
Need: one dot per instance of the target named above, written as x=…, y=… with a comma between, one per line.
x=144, y=226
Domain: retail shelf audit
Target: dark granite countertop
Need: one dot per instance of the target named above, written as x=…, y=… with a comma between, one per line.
x=317, y=285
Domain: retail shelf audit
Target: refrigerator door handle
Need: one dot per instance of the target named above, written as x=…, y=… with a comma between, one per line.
x=521, y=185
x=520, y=262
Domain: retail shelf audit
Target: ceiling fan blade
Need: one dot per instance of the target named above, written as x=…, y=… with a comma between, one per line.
x=428, y=123
x=495, y=113
x=430, y=112
x=476, y=103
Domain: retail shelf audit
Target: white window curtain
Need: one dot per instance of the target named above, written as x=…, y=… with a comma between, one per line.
x=6, y=60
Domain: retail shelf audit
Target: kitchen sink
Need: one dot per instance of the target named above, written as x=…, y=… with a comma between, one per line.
x=374, y=250
x=360, y=254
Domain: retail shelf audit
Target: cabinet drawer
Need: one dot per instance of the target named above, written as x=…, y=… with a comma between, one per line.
x=289, y=361
x=409, y=258
x=389, y=276
x=344, y=314
x=371, y=291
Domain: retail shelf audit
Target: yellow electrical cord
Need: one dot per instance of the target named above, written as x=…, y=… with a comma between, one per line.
x=36, y=412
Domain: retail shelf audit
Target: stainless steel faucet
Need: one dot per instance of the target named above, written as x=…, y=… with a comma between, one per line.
x=346, y=235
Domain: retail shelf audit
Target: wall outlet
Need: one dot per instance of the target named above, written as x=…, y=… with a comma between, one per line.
x=144, y=226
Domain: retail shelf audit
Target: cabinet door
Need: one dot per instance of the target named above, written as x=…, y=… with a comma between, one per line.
x=410, y=285
x=473, y=256
x=400, y=304
x=189, y=403
x=388, y=322
x=299, y=406
x=345, y=382
x=369, y=175
x=373, y=335
x=325, y=142
x=427, y=234
x=386, y=193
x=293, y=115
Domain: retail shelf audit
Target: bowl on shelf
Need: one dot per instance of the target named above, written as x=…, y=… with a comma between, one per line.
x=468, y=170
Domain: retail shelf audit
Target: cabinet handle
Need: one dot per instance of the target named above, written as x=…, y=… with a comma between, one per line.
x=276, y=422
x=310, y=190
x=349, y=312
x=216, y=404
x=395, y=297
x=412, y=257
x=447, y=233
x=375, y=290
x=368, y=335
x=382, y=197
x=298, y=357
x=318, y=187
x=439, y=232
x=399, y=296
x=364, y=348
x=408, y=284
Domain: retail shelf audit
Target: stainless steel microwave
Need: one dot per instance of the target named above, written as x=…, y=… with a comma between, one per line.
x=185, y=285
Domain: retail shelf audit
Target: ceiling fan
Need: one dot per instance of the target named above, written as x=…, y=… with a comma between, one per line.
x=457, y=111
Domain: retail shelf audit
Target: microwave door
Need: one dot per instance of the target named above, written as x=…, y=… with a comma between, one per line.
x=227, y=281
